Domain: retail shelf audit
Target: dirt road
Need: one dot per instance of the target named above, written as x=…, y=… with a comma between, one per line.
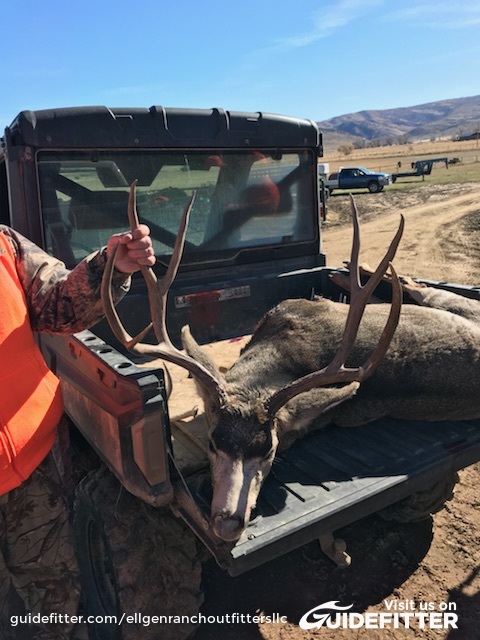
x=437, y=242
x=434, y=564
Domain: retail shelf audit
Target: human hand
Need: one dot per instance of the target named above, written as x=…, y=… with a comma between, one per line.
x=134, y=249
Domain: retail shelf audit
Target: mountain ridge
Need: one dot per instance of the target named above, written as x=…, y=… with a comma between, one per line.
x=444, y=118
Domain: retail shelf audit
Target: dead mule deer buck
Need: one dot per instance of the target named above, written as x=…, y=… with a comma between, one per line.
x=281, y=385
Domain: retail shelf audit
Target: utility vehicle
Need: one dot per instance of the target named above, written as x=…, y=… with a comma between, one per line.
x=142, y=504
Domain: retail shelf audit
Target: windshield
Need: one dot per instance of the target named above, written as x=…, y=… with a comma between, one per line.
x=244, y=199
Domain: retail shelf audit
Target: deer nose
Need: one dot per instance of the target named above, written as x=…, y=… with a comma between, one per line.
x=228, y=526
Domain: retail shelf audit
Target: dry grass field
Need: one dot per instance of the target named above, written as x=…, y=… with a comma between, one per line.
x=387, y=158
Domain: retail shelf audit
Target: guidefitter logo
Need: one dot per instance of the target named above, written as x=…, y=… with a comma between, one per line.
x=399, y=615
x=321, y=618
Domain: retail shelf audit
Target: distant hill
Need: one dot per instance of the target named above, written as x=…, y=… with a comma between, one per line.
x=446, y=118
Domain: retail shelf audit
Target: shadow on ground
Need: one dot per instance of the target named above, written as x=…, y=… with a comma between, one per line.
x=384, y=555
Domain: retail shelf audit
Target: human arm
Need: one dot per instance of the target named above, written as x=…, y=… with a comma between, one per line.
x=63, y=301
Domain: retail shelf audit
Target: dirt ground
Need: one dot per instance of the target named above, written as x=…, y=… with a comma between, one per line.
x=432, y=565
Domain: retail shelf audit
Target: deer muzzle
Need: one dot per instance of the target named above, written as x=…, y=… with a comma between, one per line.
x=236, y=485
x=227, y=526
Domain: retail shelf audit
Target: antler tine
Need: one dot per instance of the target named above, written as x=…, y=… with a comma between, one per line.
x=335, y=371
x=110, y=311
x=377, y=276
x=361, y=294
x=157, y=295
x=390, y=327
x=158, y=291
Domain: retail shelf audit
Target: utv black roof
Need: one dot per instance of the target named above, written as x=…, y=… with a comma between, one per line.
x=97, y=127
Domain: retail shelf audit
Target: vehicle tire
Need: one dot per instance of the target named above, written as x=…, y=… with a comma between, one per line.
x=373, y=187
x=422, y=504
x=134, y=559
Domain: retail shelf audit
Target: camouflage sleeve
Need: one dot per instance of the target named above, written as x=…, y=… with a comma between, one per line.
x=60, y=300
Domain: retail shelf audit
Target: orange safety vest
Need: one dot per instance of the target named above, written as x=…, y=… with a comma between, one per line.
x=30, y=397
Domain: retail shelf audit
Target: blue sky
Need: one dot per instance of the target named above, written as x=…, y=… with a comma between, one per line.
x=309, y=58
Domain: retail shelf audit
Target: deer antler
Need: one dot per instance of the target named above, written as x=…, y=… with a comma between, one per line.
x=336, y=372
x=157, y=295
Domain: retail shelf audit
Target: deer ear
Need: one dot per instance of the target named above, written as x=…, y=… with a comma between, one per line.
x=301, y=411
x=194, y=351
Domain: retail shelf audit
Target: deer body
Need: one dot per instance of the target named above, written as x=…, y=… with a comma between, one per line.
x=431, y=370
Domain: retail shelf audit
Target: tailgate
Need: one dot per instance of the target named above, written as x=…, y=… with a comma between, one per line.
x=333, y=478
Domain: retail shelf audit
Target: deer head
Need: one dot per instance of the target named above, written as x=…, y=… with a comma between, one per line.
x=244, y=422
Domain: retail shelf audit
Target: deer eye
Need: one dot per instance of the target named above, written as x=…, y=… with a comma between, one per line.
x=269, y=455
